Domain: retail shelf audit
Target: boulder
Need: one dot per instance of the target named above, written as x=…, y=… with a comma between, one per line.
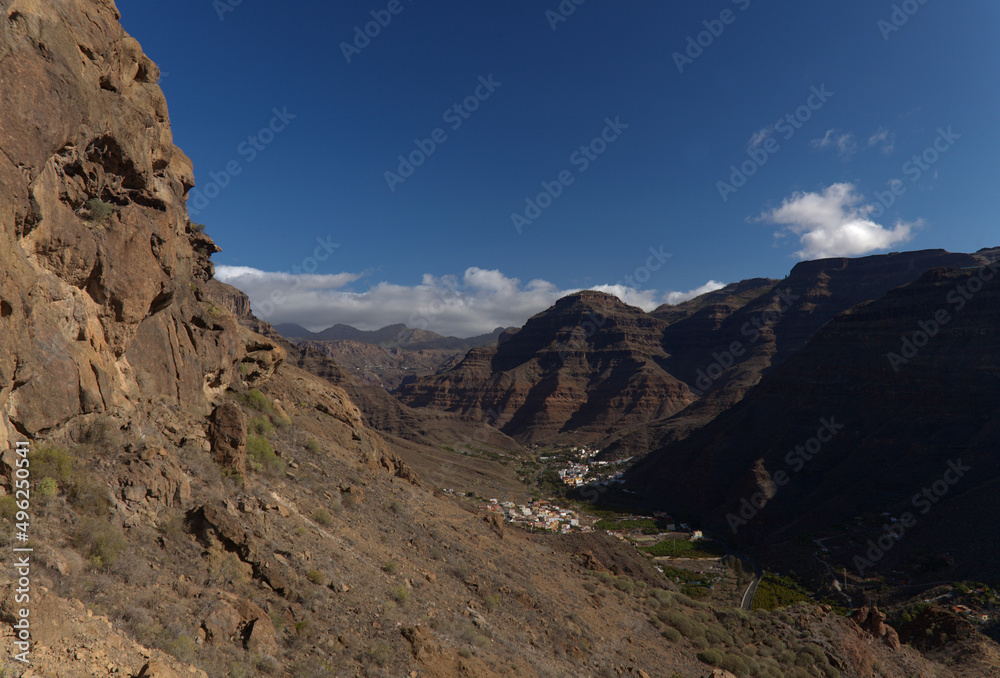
x=221, y=622
x=259, y=637
x=157, y=670
x=228, y=436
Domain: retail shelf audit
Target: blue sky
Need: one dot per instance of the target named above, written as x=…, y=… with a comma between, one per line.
x=314, y=229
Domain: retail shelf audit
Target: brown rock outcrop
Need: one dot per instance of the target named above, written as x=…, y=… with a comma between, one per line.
x=101, y=304
x=872, y=621
x=228, y=435
x=589, y=366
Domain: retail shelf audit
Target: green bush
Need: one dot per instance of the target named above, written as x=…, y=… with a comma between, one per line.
x=734, y=664
x=624, y=583
x=682, y=548
x=258, y=401
x=100, y=211
x=55, y=463
x=101, y=541
x=313, y=446
x=261, y=426
x=48, y=487
x=322, y=517
x=776, y=591
x=8, y=507
x=261, y=456
x=711, y=656
x=672, y=634
x=391, y=567
x=401, y=595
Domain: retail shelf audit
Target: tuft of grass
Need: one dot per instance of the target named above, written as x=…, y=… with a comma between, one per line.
x=491, y=602
x=261, y=456
x=99, y=210
x=401, y=594
x=48, y=487
x=101, y=541
x=259, y=401
x=313, y=446
x=391, y=567
x=315, y=576
x=379, y=653
x=322, y=517
x=624, y=583
x=261, y=426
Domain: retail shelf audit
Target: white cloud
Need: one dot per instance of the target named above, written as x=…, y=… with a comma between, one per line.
x=885, y=137
x=843, y=141
x=475, y=303
x=834, y=223
x=674, y=298
x=759, y=137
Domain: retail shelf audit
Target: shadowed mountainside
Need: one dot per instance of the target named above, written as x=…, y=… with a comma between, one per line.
x=904, y=415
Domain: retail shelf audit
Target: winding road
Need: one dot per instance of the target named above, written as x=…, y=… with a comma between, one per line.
x=751, y=591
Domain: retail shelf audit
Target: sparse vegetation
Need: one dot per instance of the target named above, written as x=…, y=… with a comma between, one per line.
x=102, y=542
x=261, y=456
x=401, y=595
x=379, y=653
x=776, y=591
x=682, y=548
x=260, y=426
x=99, y=210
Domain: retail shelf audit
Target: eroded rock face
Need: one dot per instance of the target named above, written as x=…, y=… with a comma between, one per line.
x=100, y=270
x=228, y=435
x=872, y=620
x=586, y=367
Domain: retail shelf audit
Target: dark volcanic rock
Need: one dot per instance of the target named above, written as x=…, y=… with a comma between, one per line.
x=905, y=422
x=722, y=343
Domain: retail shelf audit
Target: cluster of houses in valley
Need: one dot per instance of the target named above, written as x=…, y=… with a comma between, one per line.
x=587, y=471
x=538, y=515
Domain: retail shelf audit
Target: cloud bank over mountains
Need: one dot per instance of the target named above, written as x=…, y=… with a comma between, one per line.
x=474, y=303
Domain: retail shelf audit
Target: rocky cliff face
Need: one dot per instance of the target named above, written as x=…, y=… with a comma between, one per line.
x=910, y=382
x=585, y=367
x=102, y=272
x=722, y=343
